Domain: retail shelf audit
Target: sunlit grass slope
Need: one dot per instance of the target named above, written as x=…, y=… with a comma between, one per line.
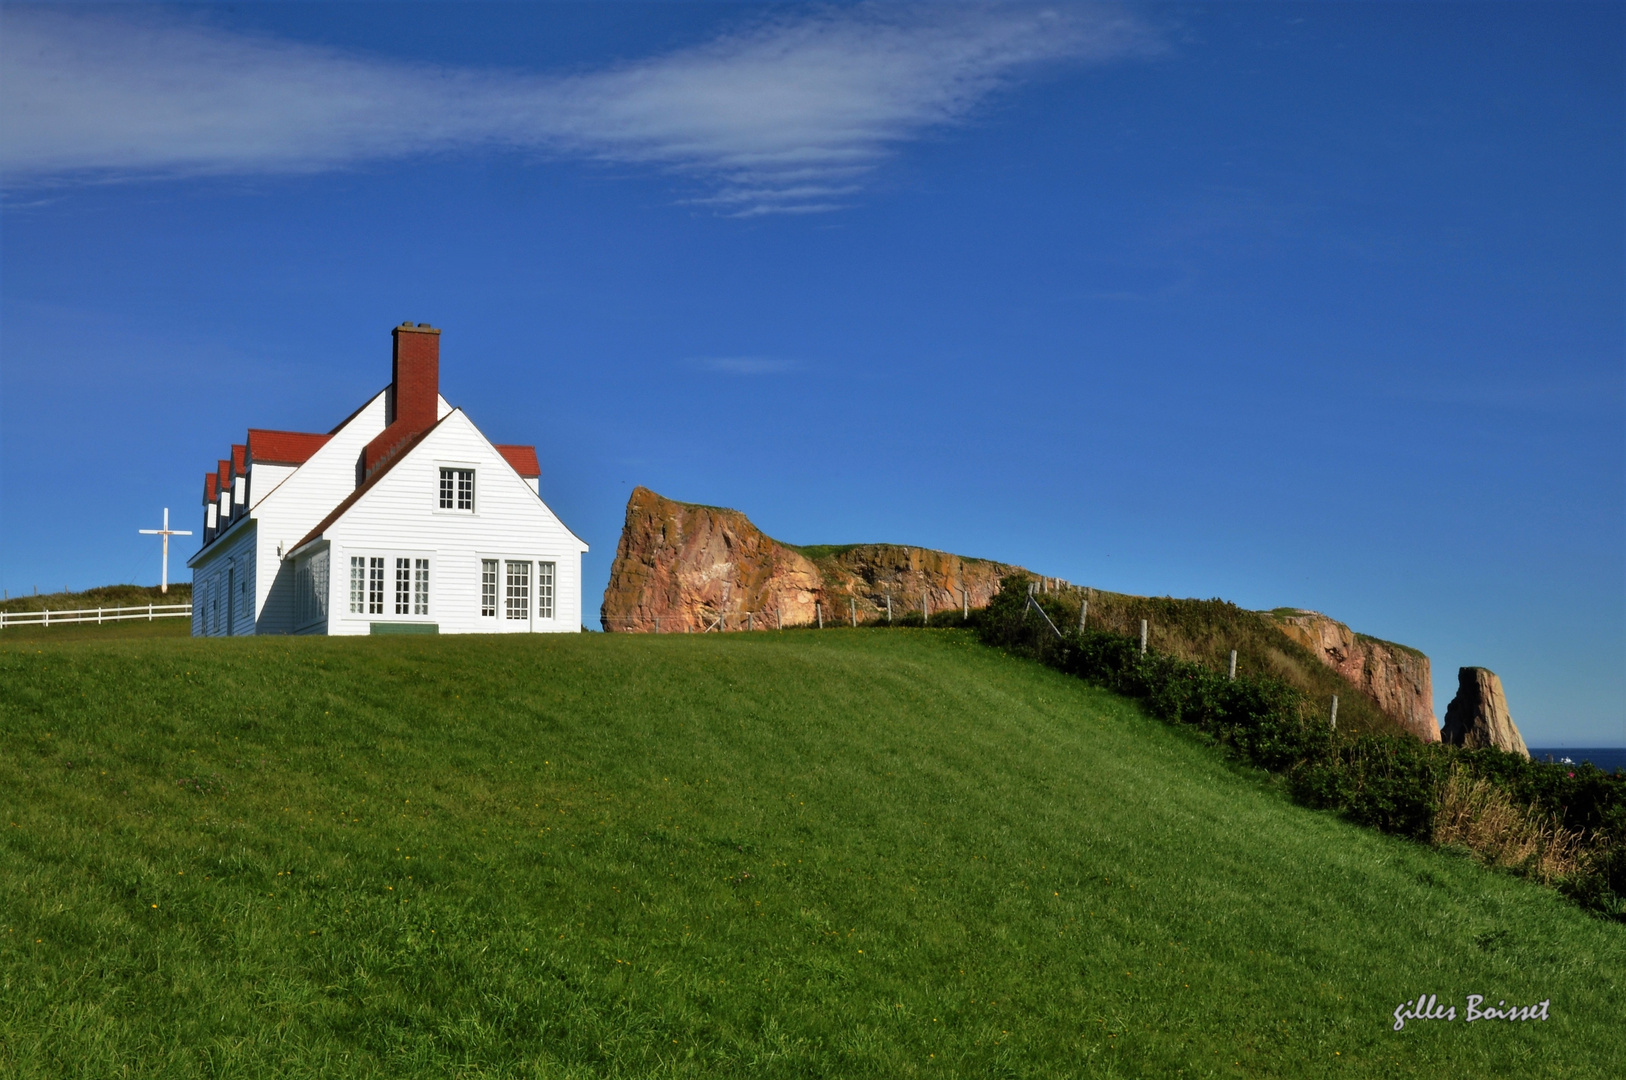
x=847, y=854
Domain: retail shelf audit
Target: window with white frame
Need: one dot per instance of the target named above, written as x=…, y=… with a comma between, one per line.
x=518, y=596
x=457, y=489
x=403, y=586
x=488, y=588
x=369, y=583
x=544, y=590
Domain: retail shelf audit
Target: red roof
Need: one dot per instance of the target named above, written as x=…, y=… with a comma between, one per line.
x=283, y=447
x=209, y=482
x=223, y=472
x=522, y=458
x=239, y=459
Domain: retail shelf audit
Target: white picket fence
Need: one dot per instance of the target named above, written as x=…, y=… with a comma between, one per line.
x=95, y=615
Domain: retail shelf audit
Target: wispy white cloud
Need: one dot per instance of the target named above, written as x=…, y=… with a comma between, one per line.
x=786, y=114
x=746, y=365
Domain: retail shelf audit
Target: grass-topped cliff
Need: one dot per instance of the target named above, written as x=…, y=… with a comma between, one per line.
x=1206, y=631
x=855, y=853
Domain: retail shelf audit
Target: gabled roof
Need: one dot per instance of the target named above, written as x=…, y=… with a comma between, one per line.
x=378, y=474
x=209, y=481
x=239, y=459
x=283, y=447
x=522, y=458
x=340, y=425
x=223, y=473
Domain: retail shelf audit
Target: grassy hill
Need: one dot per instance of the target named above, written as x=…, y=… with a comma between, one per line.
x=180, y=592
x=843, y=854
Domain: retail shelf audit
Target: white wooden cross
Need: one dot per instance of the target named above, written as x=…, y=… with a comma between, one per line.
x=166, y=532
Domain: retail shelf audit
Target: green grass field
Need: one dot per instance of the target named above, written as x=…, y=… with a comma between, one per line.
x=839, y=854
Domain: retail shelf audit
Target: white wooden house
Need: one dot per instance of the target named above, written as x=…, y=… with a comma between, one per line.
x=403, y=519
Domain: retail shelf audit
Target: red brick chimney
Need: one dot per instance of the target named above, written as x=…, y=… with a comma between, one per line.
x=413, y=399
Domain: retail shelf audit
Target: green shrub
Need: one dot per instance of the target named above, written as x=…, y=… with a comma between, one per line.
x=1380, y=781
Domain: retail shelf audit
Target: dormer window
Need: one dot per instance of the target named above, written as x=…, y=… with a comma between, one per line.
x=457, y=489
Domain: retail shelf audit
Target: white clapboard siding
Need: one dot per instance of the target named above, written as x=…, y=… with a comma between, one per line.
x=222, y=589
x=399, y=517
x=263, y=479
x=286, y=503
x=299, y=502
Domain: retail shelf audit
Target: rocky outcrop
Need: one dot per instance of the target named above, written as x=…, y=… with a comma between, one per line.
x=683, y=567
x=1478, y=715
x=1395, y=677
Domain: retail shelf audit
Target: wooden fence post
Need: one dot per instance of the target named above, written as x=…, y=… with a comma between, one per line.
x=925, y=607
x=965, y=604
x=750, y=621
x=1233, y=665
x=889, y=609
x=779, y=613
x=1083, y=614
x=818, y=609
x=1335, y=712
x=1143, y=637
x=852, y=605
x=657, y=624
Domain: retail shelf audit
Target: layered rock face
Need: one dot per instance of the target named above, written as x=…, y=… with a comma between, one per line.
x=683, y=567
x=1478, y=715
x=1397, y=678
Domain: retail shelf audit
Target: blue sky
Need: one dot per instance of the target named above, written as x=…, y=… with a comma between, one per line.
x=1311, y=305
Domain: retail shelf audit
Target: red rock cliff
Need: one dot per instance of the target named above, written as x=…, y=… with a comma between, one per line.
x=1396, y=677
x=688, y=565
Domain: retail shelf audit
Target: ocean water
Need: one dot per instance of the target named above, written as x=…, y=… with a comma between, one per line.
x=1607, y=758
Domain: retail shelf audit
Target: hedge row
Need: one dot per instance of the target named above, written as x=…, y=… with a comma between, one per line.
x=1390, y=783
